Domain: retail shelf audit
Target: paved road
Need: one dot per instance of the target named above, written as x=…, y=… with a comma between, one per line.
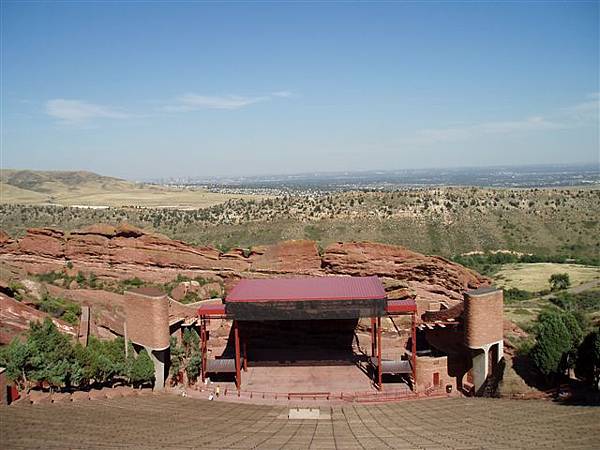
x=167, y=421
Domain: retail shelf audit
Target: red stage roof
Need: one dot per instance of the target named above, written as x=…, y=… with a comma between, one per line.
x=303, y=289
x=212, y=310
x=401, y=306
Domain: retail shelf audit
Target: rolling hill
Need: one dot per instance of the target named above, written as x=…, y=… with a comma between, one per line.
x=81, y=188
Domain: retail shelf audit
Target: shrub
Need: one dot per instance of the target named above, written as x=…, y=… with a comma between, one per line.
x=190, y=297
x=80, y=278
x=60, y=308
x=559, y=281
x=131, y=283
x=514, y=294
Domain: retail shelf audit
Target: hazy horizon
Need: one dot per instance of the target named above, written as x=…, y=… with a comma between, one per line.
x=158, y=90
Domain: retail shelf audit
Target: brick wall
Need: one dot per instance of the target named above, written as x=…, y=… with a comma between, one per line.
x=483, y=316
x=427, y=366
x=147, y=318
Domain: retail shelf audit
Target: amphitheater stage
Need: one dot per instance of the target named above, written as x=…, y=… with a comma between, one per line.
x=301, y=379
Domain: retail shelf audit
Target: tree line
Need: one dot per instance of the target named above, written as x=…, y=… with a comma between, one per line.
x=50, y=359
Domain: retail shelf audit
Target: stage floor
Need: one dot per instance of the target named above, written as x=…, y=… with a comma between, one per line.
x=348, y=378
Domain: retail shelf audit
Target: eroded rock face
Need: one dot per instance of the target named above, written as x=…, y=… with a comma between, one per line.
x=298, y=256
x=43, y=242
x=368, y=258
x=15, y=317
x=124, y=252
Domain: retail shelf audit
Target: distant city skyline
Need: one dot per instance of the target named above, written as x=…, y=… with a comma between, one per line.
x=179, y=89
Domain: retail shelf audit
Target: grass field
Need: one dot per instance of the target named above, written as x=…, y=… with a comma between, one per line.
x=534, y=277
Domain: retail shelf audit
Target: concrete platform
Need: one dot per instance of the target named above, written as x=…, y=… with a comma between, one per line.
x=306, y=379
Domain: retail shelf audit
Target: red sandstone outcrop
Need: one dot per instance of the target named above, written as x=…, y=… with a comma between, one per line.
x=107, y=307
x=367, y=258
x=4, y=238
x=15, y=317
x=127, y=244
x=124, y=252
x=299, y=256
x=43, y=242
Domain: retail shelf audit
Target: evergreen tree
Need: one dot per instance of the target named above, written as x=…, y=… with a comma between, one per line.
x=557, y=336
x=588, y=359
x=141, y=369
x=15, y=358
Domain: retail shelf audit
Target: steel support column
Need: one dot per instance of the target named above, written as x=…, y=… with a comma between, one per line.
x=379, y=373
x=203, y=345
x=414, y=350
x=238, y=374
x=373, y=337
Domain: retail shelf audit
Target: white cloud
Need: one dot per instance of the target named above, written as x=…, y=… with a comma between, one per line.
x=77, y=111
x=586, y=110
x=283, y=94
x=574, y=116
x=194, y=102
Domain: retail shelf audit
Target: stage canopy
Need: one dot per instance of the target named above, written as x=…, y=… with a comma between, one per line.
x=307, y=298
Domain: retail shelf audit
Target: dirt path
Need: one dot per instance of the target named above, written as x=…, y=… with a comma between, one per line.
x=574, y=289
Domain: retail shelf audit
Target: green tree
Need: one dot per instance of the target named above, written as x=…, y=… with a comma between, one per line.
x=559, y=281
x=51, y=355
x=557, y=336
x=177, y=353
x=101, y=361
x=141, y=369
x=588, y=359
x=191, y=341
x=15, y=358
x=194, y=366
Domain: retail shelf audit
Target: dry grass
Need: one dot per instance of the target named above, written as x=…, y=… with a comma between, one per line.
x=88, y=189
x=534, y=277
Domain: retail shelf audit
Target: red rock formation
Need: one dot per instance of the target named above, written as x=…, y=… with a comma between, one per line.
x=15, y=317
x=125, y=252
x=288, y=256
x=367, y=258
x=43, y=242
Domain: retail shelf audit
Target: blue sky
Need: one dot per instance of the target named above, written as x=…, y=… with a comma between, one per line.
x=142, y=90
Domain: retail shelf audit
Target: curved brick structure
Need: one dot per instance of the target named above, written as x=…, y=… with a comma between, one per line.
x=483, y=317
x=147, y=318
